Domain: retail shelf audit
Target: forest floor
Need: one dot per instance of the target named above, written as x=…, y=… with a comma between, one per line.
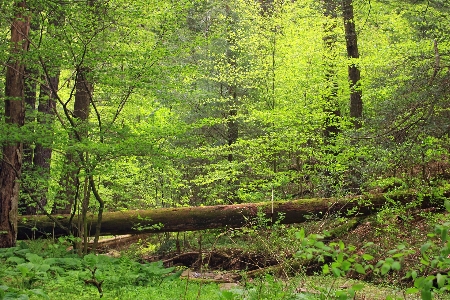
x=234, y=257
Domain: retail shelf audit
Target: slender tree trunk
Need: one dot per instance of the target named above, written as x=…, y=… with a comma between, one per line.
x=31, y=75
x=11, y=164
x=25, y=204
x=356, y=105
x=70, y=180
x=43, y=153
x=30, y=102
x=331, y=88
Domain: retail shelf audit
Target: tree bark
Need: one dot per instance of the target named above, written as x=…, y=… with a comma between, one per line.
x=43, y=153
x=11, y=164
x=31, y=75
x=69, y=180
x=220, y=216
x=28, y=149
x=351, y=38
x=331, y=85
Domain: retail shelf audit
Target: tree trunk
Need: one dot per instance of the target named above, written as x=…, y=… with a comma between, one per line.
x=331, y=85
x=28, y=149
x=11, y=164
x=26, y=195
x=43, y=153
x=220, y=216
x=30, y=102
x=69, y=180
x=356, y=105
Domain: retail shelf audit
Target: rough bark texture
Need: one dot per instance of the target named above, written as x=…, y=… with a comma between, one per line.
x=356, y=105
x=11, y=163
x=220, y=216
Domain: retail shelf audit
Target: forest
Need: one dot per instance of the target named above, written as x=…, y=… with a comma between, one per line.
x=300, y=126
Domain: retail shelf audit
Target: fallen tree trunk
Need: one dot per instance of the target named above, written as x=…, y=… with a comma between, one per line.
x=220, y=216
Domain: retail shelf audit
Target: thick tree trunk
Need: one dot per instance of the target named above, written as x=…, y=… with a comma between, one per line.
x=356, y=105
x=11, y=163
x=220, y=216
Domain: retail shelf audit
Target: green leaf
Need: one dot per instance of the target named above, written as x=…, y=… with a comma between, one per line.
x=396, y=266
x=319, y=245
x=441, y=280
x=424, y=262
x=336, y=272
x=300, y=234
x=397, y=255
x=346, y=265
x=425, y=294
x=366, y=256
x=385, y=268
x=425, y=247
x=401, y=247
x=369, y=244
x=34, y=258
x=447, y=205
x=411, y=290
x=360, y=269
x=40, y=292
x=15, y=259
x=325, y=269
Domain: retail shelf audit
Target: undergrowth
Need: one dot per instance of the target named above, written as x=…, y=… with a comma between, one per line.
x=51, y=270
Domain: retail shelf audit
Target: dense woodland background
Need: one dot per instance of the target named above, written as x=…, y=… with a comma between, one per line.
x=144, y=104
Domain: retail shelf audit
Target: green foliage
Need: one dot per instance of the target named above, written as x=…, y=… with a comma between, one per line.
x=25, y=270
x=338, y=260
x=434, y=263
x=206, y=102
x=174, y=80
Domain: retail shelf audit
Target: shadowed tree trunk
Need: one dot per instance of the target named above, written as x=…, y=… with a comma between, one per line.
x=70, y=181
x=31, y=76
x=351, y=38
x=30, y=102
x=43, y=153
x=28, y=147
x=11, y=164
x=331, y=85
x=37, y=155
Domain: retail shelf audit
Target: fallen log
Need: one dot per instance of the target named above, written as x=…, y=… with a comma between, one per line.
x=220, y=216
